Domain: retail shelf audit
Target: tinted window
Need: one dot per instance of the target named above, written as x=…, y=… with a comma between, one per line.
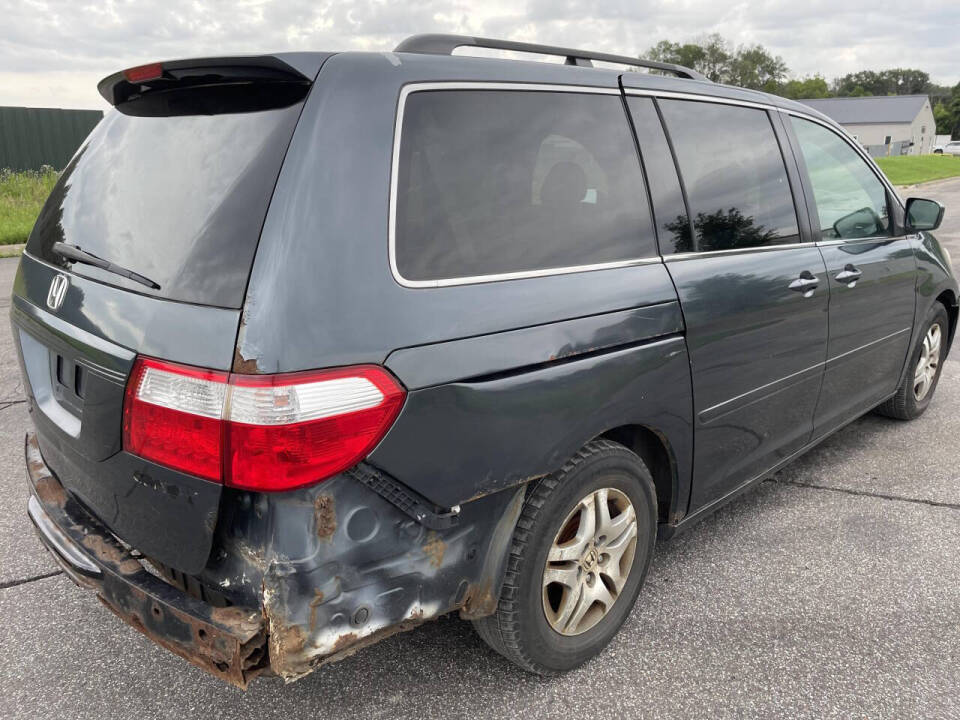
x=851, y=200
x=494, y=182
x=179, y=199
x=734, y=176
x=670, y=213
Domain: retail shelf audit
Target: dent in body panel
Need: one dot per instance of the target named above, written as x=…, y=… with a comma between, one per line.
x=467, y=439
x=435, y=364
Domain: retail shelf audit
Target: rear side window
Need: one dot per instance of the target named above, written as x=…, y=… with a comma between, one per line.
x=734, y=175
x=851, y=200
x=503, y=182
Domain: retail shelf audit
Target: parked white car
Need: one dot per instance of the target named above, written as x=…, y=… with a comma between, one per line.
x=950, y=148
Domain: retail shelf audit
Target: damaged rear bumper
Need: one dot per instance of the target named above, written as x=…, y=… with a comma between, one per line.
x=313, y=575
x=229, y=642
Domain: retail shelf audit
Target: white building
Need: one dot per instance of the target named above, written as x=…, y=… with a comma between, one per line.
x=885, y=125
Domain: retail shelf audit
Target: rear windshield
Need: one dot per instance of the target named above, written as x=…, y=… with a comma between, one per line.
x=178, y=199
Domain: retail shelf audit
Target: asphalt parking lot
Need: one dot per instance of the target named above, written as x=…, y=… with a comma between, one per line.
x=831, y=590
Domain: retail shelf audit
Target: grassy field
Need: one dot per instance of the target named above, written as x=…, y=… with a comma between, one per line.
x=21, y=197
x=913, y=169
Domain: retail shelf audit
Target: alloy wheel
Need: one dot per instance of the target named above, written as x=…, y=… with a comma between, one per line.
x=590, y=561
x=929, y=362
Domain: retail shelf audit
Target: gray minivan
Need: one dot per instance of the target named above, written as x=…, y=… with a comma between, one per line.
x=321, y=346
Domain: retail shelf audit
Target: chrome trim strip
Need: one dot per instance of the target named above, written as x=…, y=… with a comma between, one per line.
x=58, y=541
x=677, y=257
x=868, y=345
x=712, y=409
x=853, y=241
x=405, y=91
x=674, y=95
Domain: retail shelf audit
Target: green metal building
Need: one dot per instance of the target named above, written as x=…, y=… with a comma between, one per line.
x=33, y=137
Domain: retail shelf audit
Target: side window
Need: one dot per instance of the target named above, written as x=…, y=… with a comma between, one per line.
x=734, y=175
x=670, y=213
x=851, y=200
x=495, y=182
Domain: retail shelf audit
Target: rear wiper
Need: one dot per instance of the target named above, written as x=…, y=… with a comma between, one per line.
x=75, y=254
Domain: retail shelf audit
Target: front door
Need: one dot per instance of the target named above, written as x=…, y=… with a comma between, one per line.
x=754, y=296
x=872, y=274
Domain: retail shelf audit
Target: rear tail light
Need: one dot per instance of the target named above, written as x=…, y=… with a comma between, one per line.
x=258, y=432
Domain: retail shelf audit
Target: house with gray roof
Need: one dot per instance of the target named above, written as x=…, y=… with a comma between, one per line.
x=885, y=125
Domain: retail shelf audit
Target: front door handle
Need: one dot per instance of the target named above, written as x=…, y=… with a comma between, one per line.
x=805, y=284
x=849, y=275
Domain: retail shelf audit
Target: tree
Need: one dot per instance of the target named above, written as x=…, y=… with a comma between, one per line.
x=708, y=55
x=754, y=67
x=809, y=87
x=944, y=119
x=897, y=81
x=750, y=66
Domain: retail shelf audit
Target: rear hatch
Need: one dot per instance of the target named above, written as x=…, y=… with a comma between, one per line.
x=171, y=189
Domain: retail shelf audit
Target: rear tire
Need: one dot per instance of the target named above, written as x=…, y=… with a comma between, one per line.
x=938, y=152
x=917, y=388
x=600, y=575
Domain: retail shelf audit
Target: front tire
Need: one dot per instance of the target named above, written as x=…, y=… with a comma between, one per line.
x=580, y=553
x=923, y=371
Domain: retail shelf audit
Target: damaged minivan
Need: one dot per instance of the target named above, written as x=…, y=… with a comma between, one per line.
x=321, y=346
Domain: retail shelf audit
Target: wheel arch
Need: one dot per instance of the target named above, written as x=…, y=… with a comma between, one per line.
x=655, y=450
x=949, y=300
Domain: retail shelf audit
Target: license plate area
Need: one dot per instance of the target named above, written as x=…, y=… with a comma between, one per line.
x=68, y=382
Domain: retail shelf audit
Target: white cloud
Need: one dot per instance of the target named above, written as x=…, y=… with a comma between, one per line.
x=52, y=52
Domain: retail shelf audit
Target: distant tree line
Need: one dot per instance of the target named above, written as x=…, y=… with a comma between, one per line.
x=755, y=67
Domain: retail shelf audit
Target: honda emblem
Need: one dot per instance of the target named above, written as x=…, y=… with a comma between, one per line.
x=58, y=291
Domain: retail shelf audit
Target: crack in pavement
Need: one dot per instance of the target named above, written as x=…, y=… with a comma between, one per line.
x=865, y=493
x=33, y=578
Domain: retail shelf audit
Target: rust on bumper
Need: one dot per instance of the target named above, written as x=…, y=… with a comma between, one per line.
x=228, y=642
x=314, y=574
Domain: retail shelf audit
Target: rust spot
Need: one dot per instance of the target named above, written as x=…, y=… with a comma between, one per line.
x=236, y=618
x=285, y=641
x=317, y=599
x=50, y=491
x=325, y=516
x=344, y=641
x=243, y=365
x=479, y=601
x=434, y=549
x=110, y=553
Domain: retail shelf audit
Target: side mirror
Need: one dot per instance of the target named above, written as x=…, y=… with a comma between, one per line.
x=924, y=214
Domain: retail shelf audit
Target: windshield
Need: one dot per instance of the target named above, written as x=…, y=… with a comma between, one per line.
x=178, y=199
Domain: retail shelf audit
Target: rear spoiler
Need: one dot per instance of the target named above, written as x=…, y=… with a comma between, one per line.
x=284, y=70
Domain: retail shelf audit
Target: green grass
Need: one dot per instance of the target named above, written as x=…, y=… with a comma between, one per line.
x=21, y=196
x=913, y=169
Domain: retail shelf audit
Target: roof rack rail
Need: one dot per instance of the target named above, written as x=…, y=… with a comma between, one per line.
x=442, y=44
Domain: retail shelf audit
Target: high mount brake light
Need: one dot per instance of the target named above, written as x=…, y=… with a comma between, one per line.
x=258, y=432
x=144, y=73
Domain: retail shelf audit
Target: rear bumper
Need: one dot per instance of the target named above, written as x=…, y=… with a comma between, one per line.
x=227, y=642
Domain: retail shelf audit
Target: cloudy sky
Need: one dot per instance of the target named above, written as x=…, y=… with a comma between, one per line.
x=52, y=53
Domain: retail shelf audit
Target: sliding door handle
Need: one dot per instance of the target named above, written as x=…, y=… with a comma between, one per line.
x=805, y=284
x=848, y=275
